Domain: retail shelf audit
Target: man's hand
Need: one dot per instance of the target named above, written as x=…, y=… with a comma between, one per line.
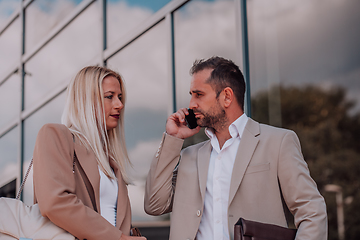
x=176, y=125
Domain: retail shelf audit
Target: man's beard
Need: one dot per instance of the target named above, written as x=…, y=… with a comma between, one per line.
x=214, y=118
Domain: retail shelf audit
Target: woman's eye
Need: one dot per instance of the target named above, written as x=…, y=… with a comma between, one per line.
x=109, y=97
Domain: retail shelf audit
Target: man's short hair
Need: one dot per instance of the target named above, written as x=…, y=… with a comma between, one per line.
x=225, y=74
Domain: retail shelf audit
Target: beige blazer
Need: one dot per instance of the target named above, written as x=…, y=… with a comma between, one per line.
x=270, y=177
x=67, y=189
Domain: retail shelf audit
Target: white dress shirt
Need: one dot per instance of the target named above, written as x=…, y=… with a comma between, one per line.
x=214, y=221
x=108, y=198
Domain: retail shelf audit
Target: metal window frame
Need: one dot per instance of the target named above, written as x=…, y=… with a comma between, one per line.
x=106, y=52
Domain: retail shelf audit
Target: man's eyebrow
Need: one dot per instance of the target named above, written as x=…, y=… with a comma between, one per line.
x=195, y=91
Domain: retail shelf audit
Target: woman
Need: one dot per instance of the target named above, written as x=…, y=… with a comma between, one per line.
x=79, y=167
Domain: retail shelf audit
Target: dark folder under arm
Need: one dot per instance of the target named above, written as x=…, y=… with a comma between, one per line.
x=249, y=230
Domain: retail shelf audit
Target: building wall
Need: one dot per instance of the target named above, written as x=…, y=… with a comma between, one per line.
x=304, y=70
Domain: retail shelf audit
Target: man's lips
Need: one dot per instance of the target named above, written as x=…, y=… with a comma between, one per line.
x=197, y=114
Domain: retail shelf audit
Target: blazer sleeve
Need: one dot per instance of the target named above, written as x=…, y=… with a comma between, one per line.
x=54, y=187
x=160, y=182
x=300, y=191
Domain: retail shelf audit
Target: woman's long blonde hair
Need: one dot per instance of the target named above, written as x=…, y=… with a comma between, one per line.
x=84, y=116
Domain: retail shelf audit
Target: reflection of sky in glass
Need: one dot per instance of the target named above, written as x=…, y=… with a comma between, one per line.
x=7, y=7
x=50, y=6
x=9, y=94
x=202, y=29
x=153, y=5
x=296, y=42
x=50, y=113
x=143, y=65
x=9, y=48
x=75, y=47
x=124, y=16
x=8, y=156
x=44, y=15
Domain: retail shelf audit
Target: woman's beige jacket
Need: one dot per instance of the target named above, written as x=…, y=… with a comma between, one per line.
x=66, y=187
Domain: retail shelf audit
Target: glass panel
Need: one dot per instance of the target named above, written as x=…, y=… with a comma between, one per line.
x=42, y=16
x=50, y=113
x=7, y=7
x=10, y=93
x=8, y=190
x=146, y=105
x=9, y=168
x=199, y=22
x=10, y=48
x=304, y=72
x=124, y=15
x=64, y=56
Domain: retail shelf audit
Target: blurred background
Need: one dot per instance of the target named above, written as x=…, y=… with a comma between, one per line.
x=301, y=60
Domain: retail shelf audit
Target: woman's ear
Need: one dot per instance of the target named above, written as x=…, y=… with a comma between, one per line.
x=228, y=96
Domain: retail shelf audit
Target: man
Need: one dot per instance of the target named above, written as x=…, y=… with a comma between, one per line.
x=246, y=169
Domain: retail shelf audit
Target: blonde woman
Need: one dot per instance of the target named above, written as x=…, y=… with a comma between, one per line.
x=80, y=182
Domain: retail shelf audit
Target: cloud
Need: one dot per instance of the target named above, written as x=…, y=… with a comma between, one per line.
x=7, y=7
x=141, y=157
x=308, y=42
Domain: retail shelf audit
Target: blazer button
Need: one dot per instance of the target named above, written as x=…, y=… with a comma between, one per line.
x=198, y=213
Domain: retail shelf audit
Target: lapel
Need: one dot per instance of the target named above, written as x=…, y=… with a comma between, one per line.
x=247, y=146
x=203, y=160
x=122, y=199
x=89, y=164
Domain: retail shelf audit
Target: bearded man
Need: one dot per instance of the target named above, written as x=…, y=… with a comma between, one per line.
x=245, y=169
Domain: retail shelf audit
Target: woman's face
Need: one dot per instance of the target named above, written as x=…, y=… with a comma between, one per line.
x=112, y=101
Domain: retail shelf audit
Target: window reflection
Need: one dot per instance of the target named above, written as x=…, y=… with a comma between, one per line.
x=50, y=113
x=10, y=48
x=202, y=29
x=63, y=57
x=125, y=15
x=304, y=72
x=42, y=16
x=143, y=64
x=292, y=50
x=7, y=8
x=9, y=156
x=9, y=94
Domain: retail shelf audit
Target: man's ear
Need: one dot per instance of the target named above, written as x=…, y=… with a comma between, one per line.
x=228, y=96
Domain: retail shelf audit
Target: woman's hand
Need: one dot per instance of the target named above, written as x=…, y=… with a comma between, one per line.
x=124, y=237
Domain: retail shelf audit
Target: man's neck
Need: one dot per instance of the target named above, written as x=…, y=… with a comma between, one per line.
x=223, y=133
x=223, y=136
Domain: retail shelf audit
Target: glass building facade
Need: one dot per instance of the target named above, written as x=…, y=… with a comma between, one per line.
x=301, y=59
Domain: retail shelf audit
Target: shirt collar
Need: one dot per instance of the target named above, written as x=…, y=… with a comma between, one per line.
x=236, y=128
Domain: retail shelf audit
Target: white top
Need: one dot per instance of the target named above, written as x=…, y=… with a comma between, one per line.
x=108, y=198
x=214, y=221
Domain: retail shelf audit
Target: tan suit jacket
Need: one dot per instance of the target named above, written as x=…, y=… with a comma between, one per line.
x=67, y=189
x=270, y=177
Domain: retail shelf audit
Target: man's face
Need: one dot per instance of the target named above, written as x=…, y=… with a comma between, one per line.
x=207, y=107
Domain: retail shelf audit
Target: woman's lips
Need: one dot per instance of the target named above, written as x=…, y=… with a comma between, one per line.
x=115, y=116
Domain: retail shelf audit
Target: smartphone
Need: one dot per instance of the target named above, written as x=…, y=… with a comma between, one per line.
x=190, y=119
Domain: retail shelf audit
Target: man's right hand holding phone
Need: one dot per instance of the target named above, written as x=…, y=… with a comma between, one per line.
x=176, y=125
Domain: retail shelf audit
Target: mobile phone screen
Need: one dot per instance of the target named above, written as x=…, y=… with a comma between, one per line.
x=190, y=119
